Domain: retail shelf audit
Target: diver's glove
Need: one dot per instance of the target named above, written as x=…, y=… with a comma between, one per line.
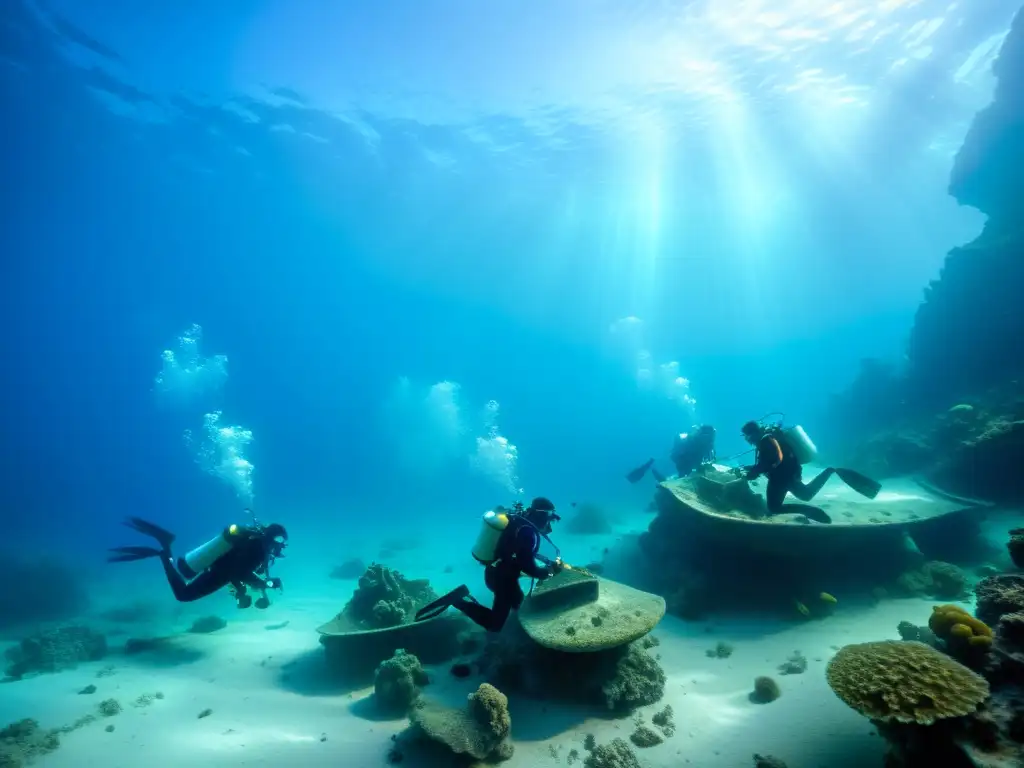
x=749, y=474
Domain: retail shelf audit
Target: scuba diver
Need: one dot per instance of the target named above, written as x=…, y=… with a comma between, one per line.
x=690, y=451
x=780, y=455
x=507, y=547
x=238, y=557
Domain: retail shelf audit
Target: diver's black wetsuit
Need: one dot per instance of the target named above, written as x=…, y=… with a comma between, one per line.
x=690, y=453
x=776, y=459
x=244, y=565
x=516, y=556
x=239, y=568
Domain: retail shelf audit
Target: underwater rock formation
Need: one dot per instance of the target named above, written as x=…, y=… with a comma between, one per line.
x=620, y=679
x=55, y=650
x=397, y=683
x=480, y=730
x=999, y=595
x=935, y=578
x=969, y=323
x=1015, y=546
x=352, y=568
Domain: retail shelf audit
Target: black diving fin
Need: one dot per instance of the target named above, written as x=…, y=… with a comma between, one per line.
x=863, y=485
x=636, y=475
x=164, y=537
x=442, y=604
x=128, y=554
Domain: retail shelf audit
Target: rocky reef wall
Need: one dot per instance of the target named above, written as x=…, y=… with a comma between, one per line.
x=967, y=330
x=956, y=413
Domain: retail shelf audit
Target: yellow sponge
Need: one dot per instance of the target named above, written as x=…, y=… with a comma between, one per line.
x=954, y=625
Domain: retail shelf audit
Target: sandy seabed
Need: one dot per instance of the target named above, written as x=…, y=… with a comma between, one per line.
x=270, y=703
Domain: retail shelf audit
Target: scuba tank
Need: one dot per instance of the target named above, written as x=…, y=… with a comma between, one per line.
x=205, y=555
x=803, y=447
x=492, y=525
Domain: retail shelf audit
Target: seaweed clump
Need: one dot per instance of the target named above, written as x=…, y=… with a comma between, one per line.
x=55, y=650
x=397, y=682
x=385, y=598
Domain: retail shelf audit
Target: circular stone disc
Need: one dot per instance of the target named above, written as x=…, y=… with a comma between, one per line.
x=619, y=615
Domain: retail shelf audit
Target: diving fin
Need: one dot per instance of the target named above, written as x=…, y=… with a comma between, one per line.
x=817, y=514
x=636, y=475
x=442, y=604
x=863, y=485
x=164, y=537
x=129, y=554
x=658, y=477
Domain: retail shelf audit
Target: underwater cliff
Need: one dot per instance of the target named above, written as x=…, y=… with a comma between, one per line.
x=969, y=325
x=956, y=413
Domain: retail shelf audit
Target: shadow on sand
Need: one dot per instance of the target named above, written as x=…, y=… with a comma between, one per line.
x=308, y=674
x=163, y=652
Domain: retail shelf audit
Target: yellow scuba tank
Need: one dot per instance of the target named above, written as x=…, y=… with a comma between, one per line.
x=492, y=525
x=803, y=447
x=205, y=555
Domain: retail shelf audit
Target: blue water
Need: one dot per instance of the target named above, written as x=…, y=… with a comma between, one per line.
x=607, y=222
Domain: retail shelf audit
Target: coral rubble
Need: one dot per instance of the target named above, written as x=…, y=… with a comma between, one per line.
x=55, y=650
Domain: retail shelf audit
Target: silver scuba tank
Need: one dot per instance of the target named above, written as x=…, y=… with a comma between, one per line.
x=205, y=555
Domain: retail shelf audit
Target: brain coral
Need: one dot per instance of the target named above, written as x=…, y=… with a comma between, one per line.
x=905, y=682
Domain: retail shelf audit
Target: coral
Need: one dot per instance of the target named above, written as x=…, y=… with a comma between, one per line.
x=109, y=707
x=1015, y=546
x=906, y=682
x=639, y=680
x=937, y=579
x=767, y=761
x=621, y=678
x=46, y=591
x=959, y=630
x=55, y=650
x=588, y=519
x=481, y=730
x=397, y=682
x=207, y=624
x=645, y=737
x=24, y=741
x=385, y=598
x=765, y=691
x=664, y=720
x=1011, y=629
x=721, y=650
x=796, y=664
x=998, y=595
x=614, y=754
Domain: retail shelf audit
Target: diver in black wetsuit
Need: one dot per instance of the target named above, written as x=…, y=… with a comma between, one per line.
x=690, y=451
x=777, y=459
x=238, y=557
x=514, y=554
